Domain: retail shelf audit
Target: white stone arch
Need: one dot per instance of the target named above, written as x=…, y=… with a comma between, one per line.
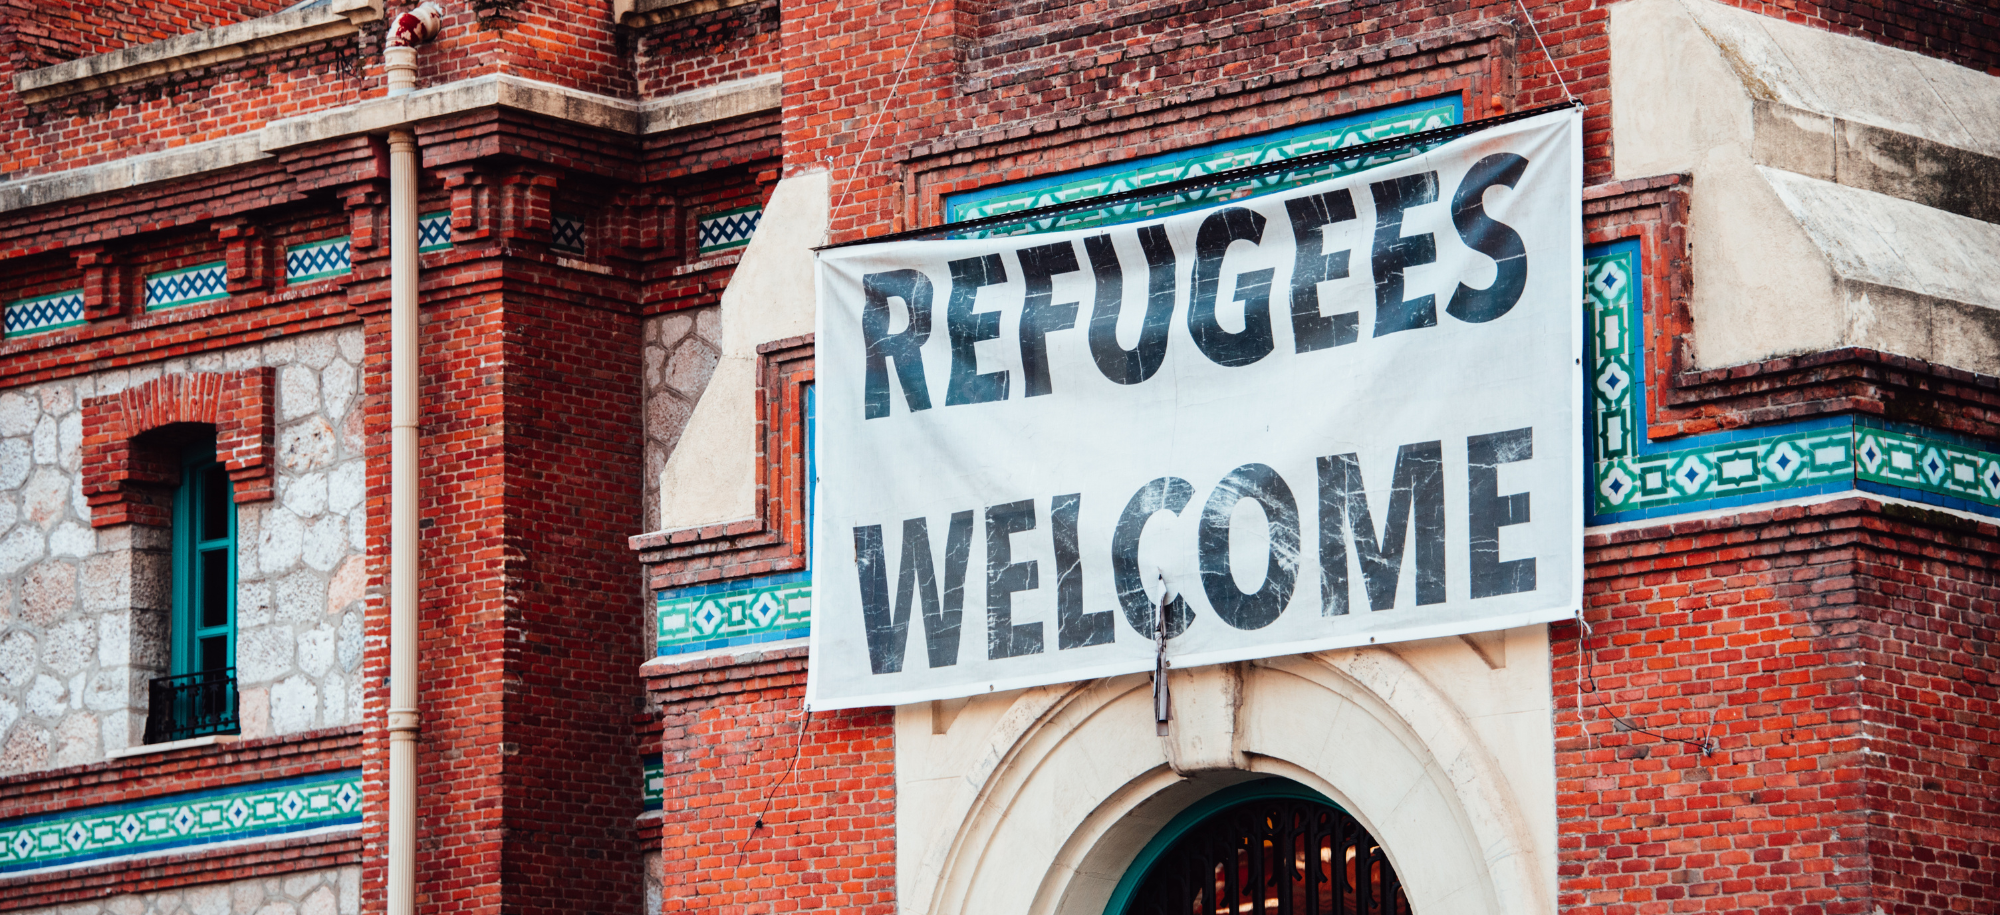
x=1056, y=791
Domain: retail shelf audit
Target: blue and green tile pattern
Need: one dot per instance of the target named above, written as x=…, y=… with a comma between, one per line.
x=187, y=286
x=45, y=313
x=434, y=232
x=741, y=612
x=1279, y=146
x=318, y=260
x=1634, y=478
x=176, y=822
x=727, y=230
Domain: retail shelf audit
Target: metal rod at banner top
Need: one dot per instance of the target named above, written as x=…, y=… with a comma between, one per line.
x=1228, y=176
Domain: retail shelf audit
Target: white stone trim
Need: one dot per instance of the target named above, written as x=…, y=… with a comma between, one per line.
x=148, y=749
x=278, y=32
x=688, y=109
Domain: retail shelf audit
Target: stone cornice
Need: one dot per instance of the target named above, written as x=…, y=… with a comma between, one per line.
x=198, y=49
x=721, y=102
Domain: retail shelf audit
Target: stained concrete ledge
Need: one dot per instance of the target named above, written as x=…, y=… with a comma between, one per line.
x=289, y=29
x=688, y=109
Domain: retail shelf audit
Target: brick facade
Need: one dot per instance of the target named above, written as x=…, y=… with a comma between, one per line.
x=117, y=467
x=1784, y=710
x=1838, y=655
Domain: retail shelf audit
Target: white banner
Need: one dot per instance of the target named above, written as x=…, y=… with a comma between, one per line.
x=1337, y=415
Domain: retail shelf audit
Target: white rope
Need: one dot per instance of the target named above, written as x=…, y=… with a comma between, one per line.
x=1545, y=50
x=875, y=122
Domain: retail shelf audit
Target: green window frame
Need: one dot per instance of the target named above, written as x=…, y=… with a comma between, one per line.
x=204, y=611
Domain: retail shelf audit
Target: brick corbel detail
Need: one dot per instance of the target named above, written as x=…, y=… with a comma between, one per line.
x=103, y=283
x=240, y=405
x=248, y=255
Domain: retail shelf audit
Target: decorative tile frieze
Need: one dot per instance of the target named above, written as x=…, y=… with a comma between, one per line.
x=727, y=230
x=1208, y=160
x=175, y=822
x=567, y=234
x=45, y=313
x=740, y=612
x=1633, y=478
x=204, y=283
x=654, y=791
x=434, y=232
x=318, y=260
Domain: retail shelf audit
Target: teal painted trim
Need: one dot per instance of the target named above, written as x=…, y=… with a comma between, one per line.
x=1193, y=816
x=1378, y=124
x=654, y=791
x=187, y=286
x=174, y=822
x=44, y=313
x=192, y=503
x=738, y=612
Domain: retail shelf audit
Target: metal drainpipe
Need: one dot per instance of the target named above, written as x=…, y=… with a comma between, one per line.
x=400, y=64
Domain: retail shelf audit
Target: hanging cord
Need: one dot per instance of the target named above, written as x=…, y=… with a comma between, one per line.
x=1545, y=51
x=902, y=69
x=798, y=748
x=1583, y=658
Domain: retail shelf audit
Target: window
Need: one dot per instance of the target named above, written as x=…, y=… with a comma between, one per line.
x=1262, y=848
x=199, y=695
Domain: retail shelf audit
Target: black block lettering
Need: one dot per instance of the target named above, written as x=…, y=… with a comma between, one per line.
x=1253, y=288
x=1488, y=236
x=1119, y=364
x=1394, y=252
x=1489, y=511
x=1418, y=494
x=1310, y=216
x=1074, y=628
x=1004, y=577
x=968, y=327
x=903, y=347
x=1166, y=494
x=1038, y=317
x=1281, y=574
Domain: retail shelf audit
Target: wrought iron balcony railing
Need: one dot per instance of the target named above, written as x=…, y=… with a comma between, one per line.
x=191, y=705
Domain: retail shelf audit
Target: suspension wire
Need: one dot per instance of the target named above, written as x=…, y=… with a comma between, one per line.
x=1545, y=52
x=798, y=749
x=1706, y=744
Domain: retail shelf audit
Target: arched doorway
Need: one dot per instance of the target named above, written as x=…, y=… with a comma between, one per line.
x=1270, y=847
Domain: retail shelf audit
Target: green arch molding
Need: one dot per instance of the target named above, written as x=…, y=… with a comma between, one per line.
x=1200, y=810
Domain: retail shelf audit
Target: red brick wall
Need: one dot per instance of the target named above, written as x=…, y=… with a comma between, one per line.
x=703, y=50
x=739, y=749
x=53, y=31
x=1839, y=656
x=117, y=465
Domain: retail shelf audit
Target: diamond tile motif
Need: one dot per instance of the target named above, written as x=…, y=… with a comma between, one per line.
x=318, y=260
x=727, y=230
x=434, y=232
x=1366, y=128
x=45, y=313
x=734, y=613
x=187, y=286
x=568, y=234
x=169, y=823
x=1632, y=478
x=1610, y=312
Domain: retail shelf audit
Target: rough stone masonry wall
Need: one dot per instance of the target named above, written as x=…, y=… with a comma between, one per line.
x=334, y=891
x=681, y=350
x=82, y=611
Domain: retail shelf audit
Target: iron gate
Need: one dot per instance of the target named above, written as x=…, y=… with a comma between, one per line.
x=1272, y=856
